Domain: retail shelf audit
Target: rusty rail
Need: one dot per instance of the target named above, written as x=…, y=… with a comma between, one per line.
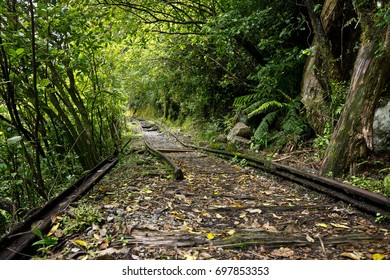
x=367, y=201
x=17, y=243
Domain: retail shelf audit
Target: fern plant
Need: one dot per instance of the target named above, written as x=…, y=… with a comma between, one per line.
x=281, y=122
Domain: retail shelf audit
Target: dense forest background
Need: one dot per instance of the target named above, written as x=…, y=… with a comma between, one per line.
x=71, y=71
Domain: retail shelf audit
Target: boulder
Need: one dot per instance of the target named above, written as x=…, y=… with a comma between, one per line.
x=240, y=130
x=381, y=128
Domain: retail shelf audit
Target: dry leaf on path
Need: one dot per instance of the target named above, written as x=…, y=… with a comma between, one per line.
x=352, y=256
x=282, y=252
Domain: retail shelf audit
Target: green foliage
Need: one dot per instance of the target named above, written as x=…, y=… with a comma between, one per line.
x=45, y=242
x=321, y=142
x=3, y=222
x=80, y=218
x=370, y=184
x=80, y=96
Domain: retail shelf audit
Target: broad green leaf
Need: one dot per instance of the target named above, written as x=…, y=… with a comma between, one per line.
x=19, y=51
x=46, y=241
x=14, y=140
x=44, y=82
x=37, y=232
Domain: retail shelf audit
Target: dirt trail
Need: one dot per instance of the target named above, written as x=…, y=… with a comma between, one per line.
x=220, y=210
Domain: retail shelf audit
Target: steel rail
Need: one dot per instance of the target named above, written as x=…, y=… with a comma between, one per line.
x=367, y=201
x=17, y=244
x=177, y=172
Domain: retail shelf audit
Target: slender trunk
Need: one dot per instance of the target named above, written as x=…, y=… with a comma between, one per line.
x=38, y=117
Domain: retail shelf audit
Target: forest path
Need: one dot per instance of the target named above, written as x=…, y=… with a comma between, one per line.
x=220, y=210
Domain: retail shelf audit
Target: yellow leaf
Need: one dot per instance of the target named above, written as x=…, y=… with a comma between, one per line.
x=190, y=257
x=53, y=229
x=81, y=243
x=378, y=257
x=322, y=225
x=210, y=236
x=242, y=215
x=85, y=258
x=339, y=225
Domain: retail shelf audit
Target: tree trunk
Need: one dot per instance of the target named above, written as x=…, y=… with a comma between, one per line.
x=320, y=69
x=352, y=138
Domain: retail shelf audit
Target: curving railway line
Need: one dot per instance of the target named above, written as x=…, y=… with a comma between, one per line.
x=215, y=208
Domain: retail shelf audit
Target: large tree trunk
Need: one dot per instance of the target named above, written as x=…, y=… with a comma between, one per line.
x=322, y=68
x=352, y=138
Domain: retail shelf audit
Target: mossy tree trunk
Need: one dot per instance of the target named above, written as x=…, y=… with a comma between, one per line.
x=352, y=137
x=323, y=67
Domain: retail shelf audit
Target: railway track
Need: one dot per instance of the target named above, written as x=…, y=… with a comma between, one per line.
x=17, y=243
x=369, y=202
x=216, y=209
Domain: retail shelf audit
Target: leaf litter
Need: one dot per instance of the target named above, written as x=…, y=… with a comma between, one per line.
x=219, y=211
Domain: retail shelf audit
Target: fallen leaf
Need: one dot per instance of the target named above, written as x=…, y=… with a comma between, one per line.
x=305, y=212
x=242, y=215
x=352, y=256
x=231, y=232
x=205, y=256
x=276, y=217
x=219, y=216
x=53, y=229
x=309, y=238
x=210, y=236
x=103, y=246
x=251, y=210
x=378, y=257
x=236, y=205
x=269, y=228
x=81, y=243
x=339, y=226
x=322, y=225
x=283, y=252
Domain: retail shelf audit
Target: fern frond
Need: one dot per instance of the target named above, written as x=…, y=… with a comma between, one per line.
x=263, y=127
x=244, y=100
x=265, y=106
x=285, y=95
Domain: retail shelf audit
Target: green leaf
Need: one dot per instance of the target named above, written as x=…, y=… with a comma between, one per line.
x=14, y=140
x=37, y=232
x=46, y=241
x=44, y=82
x=19, y=51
